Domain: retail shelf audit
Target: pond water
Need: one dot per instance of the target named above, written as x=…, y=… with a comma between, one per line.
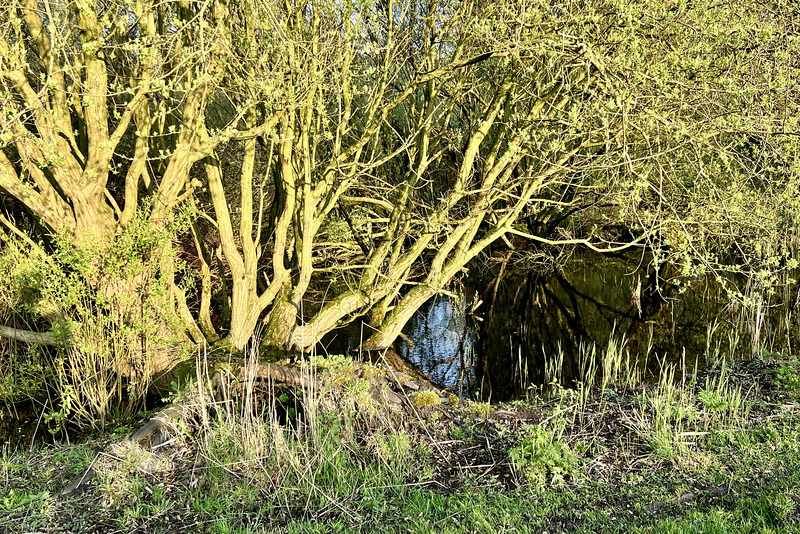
x=530, y=330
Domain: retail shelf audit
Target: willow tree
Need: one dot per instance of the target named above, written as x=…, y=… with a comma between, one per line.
x=604, y=124
x=339, y=159
x=105, y=107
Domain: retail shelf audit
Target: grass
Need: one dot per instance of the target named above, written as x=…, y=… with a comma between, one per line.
x=718, y=452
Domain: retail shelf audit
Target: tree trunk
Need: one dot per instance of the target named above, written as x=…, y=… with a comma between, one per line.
x=27, y=336
x=281, y=322
x=393, y=324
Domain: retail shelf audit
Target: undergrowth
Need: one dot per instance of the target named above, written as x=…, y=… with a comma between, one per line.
x=715, y=452
x=104, y=315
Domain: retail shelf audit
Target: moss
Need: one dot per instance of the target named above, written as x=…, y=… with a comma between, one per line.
x=357, y=387
x=357, y=392
x=479, y=409
x=335, y=362
x=454, y=399
x=541, y=459
x=371, y=372
x=426, y=398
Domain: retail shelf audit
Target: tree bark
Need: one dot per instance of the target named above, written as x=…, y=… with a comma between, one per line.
x=28, y=336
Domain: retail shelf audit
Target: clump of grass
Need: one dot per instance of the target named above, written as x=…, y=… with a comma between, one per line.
x=666, y=410
x=676, y=417
x=723, y=404
x=320, y=459
x=587, y=369
x=254, y=457
x=554, y=367
x=121, y=472
x=357, y=394
x=612, y=360
x=713, y=352
x=393, y=447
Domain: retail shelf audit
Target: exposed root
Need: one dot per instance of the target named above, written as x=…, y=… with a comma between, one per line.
x=373, y=391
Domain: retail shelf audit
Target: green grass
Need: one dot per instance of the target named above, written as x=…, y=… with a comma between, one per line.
x=717, y=453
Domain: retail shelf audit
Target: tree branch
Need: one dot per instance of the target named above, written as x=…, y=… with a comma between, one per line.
x=28, y=336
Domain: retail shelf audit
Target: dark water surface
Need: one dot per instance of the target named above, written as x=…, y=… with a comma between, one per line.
x=22, y=425
x=537, y=328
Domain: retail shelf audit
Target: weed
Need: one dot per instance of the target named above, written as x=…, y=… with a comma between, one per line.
x=713, y=401
x=479, y=409
x=459, y=433
x=539, y=459
x=786, y=375
x=14, y=500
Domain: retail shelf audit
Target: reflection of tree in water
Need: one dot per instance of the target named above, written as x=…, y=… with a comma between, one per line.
x=442, y=344
x=530, y=319
x=437, y=341
x=534, y=318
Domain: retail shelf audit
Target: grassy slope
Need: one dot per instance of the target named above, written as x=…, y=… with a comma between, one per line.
x=717, y=454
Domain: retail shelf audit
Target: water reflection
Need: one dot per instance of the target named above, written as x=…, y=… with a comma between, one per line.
x=441, y=344
x=553, y=319
x=532, y=329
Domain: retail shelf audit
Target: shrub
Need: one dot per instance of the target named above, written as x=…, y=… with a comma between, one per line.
x=109, y=308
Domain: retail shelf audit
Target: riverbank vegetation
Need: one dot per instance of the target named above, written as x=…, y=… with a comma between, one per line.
x=237, y=179
x=715, y=451
x=175, y=174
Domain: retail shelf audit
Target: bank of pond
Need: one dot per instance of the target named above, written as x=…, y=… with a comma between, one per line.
x=509, y=333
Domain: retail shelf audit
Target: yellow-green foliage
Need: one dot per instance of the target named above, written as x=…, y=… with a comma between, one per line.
x=454, y=399
x=392, y=447
x=541, y=459
x=22, y=374
x=370, y=371
x=479, y=409
x=424, y=399
x=357, y=392
x=357, y=388
x=335, y=362
x=338, y=229
x=108, y=305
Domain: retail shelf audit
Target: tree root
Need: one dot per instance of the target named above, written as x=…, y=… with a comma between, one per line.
x=388, y=389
